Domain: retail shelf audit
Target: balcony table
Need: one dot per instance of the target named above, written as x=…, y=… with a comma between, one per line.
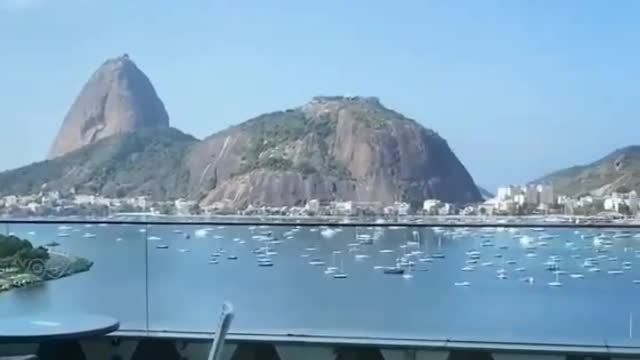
x=46, y=328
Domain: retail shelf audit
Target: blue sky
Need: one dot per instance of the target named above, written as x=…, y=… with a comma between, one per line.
x=518, y=88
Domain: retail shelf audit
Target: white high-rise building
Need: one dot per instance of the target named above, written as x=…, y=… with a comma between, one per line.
x=546, y=195
x=431, y=205
x=520, y=199
x=530, y=193
x=313, y=205
x=507, y=192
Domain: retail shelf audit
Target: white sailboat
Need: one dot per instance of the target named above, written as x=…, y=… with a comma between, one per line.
x=557, y=282
x=340, y=274
x=333, y=268
x=528, y=279
x=439, y=254
x=407, y=274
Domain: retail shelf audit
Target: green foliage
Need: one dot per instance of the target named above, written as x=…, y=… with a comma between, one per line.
x=149, y=162
x=622, y=189
x=166, y=209
x=11, y=245
x=270, y=130
x=305, y=168
x=33, y=253
x=276, y=163
x=271, y=163
x=323, y=128
x=195, y=209
x=127, y=208
x=281, y=128
x=412, y=193
x=16, y=248
x=375, y=119
x=599, y=174
x=337, y=169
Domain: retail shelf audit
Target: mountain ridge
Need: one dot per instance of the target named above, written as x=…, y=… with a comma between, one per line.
x=331, y=148
x=618, y=170
x=352, y=141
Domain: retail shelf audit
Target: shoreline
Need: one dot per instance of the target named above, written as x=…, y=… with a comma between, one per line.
x=57, y=266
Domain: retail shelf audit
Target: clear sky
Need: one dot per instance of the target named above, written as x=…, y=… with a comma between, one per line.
x=518, y=88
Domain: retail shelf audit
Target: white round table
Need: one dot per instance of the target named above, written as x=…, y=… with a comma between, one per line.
x=41, y=328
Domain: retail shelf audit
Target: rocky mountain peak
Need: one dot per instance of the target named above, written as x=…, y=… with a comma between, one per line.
x=320, y=105
x=333, y=147
x=371, y=100
x=118, y=98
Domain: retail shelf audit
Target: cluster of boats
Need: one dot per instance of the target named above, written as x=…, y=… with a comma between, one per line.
x=410, y=254
x=584, y=252
x=587, y=249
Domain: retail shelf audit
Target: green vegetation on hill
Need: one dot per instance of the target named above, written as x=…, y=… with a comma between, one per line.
x=149, y=162
x=14, y=250
x=282, y=128
x=275, y=128
x=23, y=265
x=330, y=148
x=616, y=172
x=373, y=119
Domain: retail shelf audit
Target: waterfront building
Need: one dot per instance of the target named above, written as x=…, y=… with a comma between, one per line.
x=313, y=205
x=402, y=208
x=546, y=195
x=183, y=207
x=10, y=200
x=531, y=196
x=430, y=206
x=343, y=207
x=507, y=192
x=81, y=199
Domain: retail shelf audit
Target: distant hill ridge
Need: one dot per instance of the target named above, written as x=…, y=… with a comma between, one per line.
x=617, y=171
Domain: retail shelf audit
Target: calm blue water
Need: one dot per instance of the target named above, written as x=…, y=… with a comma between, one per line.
x=185, y=291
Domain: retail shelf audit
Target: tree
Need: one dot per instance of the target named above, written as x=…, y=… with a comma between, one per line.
x=622, y=189
x=126, y=208
x=624, y=209
x=165, y=209
x=121, y=192
x=20, y=249
x=195, y=209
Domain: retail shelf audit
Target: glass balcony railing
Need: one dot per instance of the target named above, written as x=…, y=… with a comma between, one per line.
x=561, y=285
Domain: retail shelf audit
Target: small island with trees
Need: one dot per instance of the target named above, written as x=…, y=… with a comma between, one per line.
x=22, y=264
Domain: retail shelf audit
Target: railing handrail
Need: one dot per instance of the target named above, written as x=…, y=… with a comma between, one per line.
x=603, y=347
x=317, y=223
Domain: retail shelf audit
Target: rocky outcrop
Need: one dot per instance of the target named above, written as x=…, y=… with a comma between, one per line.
x=331, y=148
x=116, y=142
x=118, y=98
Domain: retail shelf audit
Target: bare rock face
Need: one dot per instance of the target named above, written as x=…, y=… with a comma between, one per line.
x=333, y=148
x=118, y=98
